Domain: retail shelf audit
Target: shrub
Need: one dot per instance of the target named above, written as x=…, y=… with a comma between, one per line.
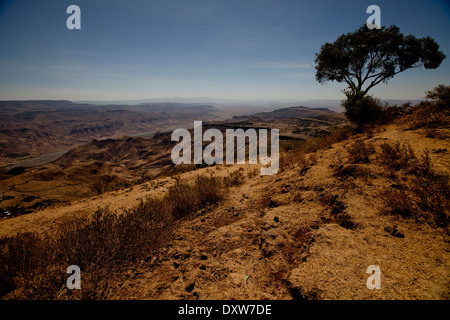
x=100, y=244
x=184, y=199
x=398, y=203
x=363, y=109
x=236, y=178
x=434, y=112
x=433, y=192
x=360, y=151
x=297, y=153
x=397, y=157
x=426, y=198
x=439, y=97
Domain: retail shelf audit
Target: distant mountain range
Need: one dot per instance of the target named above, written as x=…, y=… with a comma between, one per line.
x=269, y=104
x=31, y=128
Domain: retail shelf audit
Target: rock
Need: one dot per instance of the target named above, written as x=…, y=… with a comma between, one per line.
x=394, y=232
x=190, y=287
x=273, y=204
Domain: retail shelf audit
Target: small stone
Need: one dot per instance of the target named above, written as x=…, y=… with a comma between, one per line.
x=394, y=232
x=273, y=204
x=190, y=287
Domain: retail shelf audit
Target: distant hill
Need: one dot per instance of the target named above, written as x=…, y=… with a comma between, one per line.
x=299, y=112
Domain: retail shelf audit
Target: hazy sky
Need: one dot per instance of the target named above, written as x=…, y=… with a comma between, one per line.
x=244, y=49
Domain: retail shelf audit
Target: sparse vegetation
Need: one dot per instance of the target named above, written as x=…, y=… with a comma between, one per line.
x=297, y=153
x=360, y=151
x=397, y=157
x=364, y=59
x=426, y=196
x=235, y=178
x=337, y=211
x=363, y=109
x=434, y=112
x=99, y=244
x=108, y=242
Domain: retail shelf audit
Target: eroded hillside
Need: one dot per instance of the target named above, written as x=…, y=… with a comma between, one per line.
x=309, y=232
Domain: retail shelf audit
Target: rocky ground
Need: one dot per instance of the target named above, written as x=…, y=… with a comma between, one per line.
x=305, y=233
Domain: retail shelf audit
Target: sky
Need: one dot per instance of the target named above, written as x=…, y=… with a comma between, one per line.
x=244, y=49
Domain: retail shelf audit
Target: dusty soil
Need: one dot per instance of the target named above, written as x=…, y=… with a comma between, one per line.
x=273, y=238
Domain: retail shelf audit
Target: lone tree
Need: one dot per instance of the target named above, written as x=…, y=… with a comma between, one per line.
x=367, y=57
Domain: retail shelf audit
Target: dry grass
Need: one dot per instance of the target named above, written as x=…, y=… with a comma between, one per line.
x=360, y=151
x=303, y=152
x=34, y=265
x=397, y=157
x=236, y=178
x=424, y=196
x=337, y=211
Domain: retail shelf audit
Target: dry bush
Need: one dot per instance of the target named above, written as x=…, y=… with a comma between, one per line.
x=360, y=151
x=263, y=202
x=433, y=192
x=24, y=263
x=184, y=198
x=100, y=244
x=426, y=197
x=352, y=170
x=208, y=191
x=396, y=157
x=297, y=154
x=434, y=112
x=398, y=203
x=337, y=211
x=236, y=178
x=253, y=172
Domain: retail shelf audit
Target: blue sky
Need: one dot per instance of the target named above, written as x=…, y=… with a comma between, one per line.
x=246, y=49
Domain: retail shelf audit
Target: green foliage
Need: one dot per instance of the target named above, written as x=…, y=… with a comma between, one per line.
x=363, y=109
x=374, y=56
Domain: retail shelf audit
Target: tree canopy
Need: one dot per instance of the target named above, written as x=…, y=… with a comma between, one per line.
x=367, y=57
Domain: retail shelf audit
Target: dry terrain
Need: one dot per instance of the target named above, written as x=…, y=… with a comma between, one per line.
x=309, y=232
